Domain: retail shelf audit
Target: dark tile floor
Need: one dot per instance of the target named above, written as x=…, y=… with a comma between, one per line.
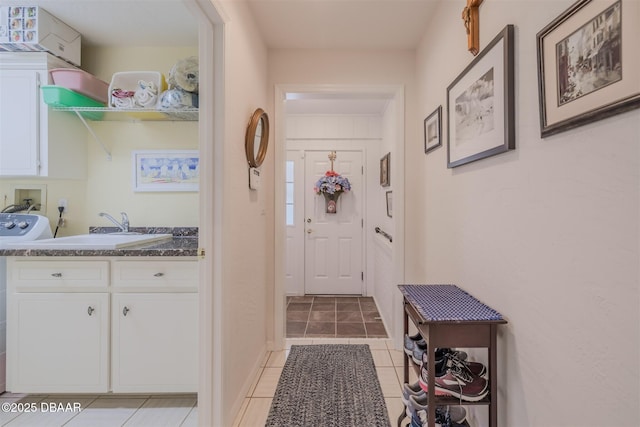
x=333, y=317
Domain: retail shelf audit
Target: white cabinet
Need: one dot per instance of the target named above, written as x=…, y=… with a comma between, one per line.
x=19, y=134
x=155, y=342
x=58, y=324
x=34, y=140
x=154, y=313
x=88, y=324
x=62, y=344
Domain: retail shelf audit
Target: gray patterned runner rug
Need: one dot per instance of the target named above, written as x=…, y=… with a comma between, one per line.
x=329, y=385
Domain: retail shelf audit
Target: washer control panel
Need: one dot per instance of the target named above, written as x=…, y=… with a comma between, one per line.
x=24, y=227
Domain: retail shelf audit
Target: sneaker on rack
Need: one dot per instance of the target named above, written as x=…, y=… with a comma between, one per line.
x=415, y=421
x=420, y=347
x=440, y=370
x=460, y=383
x=457, y=353
x=442, y=420
x=440, y=358
x=420, y=353
x=409, y=342
x=411, y=390
x=455, y=413
x=474, y=368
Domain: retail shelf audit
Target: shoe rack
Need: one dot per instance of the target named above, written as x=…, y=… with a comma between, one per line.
x=448, y=317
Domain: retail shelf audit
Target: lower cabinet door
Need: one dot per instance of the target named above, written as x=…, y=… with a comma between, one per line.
x=62, y=344
x=154, y=342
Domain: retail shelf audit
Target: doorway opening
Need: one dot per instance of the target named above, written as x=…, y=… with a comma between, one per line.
x=323, y=316
x=330, y=255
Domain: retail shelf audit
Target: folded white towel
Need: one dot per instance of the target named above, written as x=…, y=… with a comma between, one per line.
x=146, y=95
x=122, y=98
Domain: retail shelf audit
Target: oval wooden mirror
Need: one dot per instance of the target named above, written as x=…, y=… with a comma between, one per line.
x=257, y=138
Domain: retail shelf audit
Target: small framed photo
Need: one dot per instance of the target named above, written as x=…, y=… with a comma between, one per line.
x=481, y=104
x=166, y=170
x=588, y=64
x=385, y=173
x=389, y=204
x=432, y=126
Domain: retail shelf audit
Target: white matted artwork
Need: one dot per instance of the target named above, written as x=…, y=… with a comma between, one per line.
x=481, y=104
x=166, y=170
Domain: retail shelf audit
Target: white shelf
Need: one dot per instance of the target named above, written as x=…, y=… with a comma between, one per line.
x=134, y=114
x=121, y=114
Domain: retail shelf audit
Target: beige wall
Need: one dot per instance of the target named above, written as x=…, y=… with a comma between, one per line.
x=247, y=257
x=547, y=235
x=108, y=184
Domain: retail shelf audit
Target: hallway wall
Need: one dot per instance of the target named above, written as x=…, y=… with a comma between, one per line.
x=546, y=234
x=247, y=236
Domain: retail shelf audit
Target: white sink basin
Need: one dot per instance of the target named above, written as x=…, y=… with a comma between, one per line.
x=91, y=241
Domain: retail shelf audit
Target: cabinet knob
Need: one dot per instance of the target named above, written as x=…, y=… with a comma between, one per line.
x=158, y=275
x=56, y=274
x=125, y=310
x=90, y=310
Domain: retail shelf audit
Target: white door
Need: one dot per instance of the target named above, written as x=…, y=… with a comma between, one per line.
x=333, y=241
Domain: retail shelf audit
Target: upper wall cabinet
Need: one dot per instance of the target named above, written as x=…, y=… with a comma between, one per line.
x=34, y=140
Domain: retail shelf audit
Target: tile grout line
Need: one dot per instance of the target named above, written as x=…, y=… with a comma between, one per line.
x=188, y=414
x=306, y=326
x=335, y=317
x=70, y=419
x=136, y=411
x=364, y=324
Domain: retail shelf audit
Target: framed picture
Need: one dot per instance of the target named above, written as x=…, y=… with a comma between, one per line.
x=588, y=64
x=166, y=170
x=389, y=204
x=432, y=124
x=481, y=105
x=385, y=173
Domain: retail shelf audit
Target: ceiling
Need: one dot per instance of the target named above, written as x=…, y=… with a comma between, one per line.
x=283, y=24
x=342, y=24
x=304, y=24
x=124, y=22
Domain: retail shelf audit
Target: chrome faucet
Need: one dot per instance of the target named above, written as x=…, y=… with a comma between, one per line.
x=124, y=227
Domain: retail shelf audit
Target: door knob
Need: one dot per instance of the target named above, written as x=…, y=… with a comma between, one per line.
x=125, y=310
x=309, y=231
x=90, y=310
x=308, y=220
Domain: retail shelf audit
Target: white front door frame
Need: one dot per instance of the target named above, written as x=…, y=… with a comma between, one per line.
x=280, y=147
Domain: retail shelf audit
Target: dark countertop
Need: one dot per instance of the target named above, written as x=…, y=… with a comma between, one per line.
x=184, y=243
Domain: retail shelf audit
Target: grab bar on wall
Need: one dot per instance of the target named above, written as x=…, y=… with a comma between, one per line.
x=387, y=235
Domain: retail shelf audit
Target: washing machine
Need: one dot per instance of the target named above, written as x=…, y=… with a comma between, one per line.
x=15, y=227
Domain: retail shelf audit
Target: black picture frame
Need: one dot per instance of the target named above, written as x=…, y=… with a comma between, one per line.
x=481, y=104
x=578, y=85
x=385, y=170
x=433, y=130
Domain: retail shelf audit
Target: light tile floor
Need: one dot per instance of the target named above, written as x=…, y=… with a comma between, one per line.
x=180, y=410
x=255, y=408
x=99, y=410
